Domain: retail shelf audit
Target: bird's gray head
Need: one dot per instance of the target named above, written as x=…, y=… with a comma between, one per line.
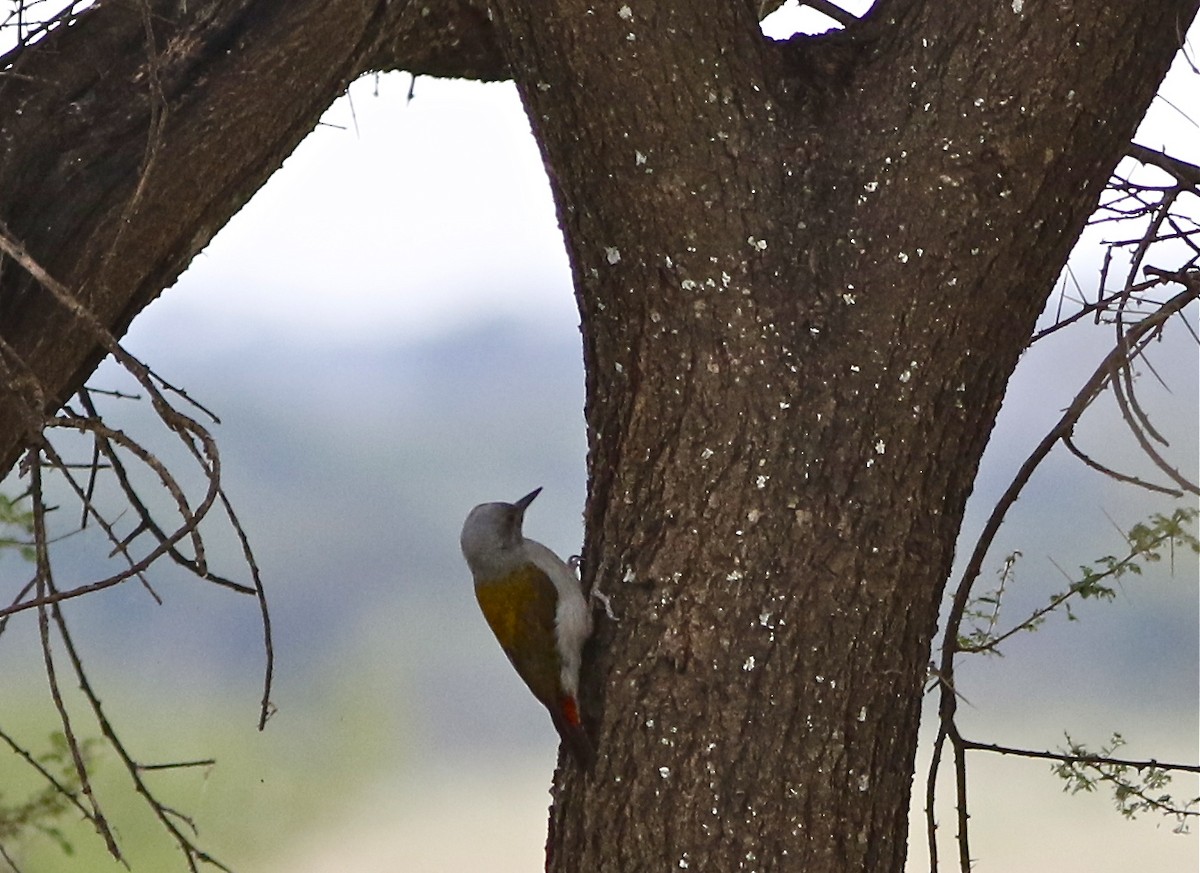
x=491, y=537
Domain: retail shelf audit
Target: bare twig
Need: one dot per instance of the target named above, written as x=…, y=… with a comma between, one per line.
x=1100, y=305
x=178, y=765
x=1070, y=446
x=1184, y=173
x=831, y=10
x=931, y=825
x=8, y=859
x=45, y=582
x=266, y=708
x=115, y=447
x=165, y=815
x=1136, y=426
x=23, y=753
x=88, y=507
x=960, y=789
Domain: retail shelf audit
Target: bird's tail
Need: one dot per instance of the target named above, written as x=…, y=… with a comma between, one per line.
x=574, y=735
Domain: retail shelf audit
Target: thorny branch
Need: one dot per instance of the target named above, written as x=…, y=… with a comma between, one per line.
x=1138, y=318
x=116, y=449
x=1144, y=545
x=44, y=582
x=166, y=816
x=1186, y=174
x=1107, y=373
x=116, y=452
x=1065, y=758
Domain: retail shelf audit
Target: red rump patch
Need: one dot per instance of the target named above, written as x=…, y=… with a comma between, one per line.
x=570, y=711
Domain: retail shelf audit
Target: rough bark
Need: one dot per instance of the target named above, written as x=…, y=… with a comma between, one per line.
x=805, y=271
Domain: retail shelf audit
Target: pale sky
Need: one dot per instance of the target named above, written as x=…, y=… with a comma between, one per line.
x=397, y=220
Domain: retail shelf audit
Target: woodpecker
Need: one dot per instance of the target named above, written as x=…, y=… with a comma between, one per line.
x=535, y=605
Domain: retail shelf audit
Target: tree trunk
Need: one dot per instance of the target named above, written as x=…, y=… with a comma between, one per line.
x=805, y=272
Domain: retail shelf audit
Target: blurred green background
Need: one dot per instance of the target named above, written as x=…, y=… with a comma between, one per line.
x=388, y=334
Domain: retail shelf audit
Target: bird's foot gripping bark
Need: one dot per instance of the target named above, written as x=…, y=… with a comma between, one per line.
x=595, y=594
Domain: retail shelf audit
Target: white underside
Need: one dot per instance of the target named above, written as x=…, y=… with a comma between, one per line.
x=573, y=619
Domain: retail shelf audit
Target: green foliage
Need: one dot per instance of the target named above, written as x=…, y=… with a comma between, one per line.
x=1147, y=543
x=13, y=519
x=1137, y=787
x=982, y=613
x=41, y=811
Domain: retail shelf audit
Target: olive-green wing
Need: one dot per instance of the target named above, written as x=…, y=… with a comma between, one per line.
x=520, y=609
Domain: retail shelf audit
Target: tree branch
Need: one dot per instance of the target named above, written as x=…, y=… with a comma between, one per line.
x=451, y=39
x=831, y=10
x=1077, y=759
x=1108, y=368
x=1087, y=459
x=1184, y=173
x=1065, y=426
x=44, y=583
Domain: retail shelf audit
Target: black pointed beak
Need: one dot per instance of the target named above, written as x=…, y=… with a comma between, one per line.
x=524, y=502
